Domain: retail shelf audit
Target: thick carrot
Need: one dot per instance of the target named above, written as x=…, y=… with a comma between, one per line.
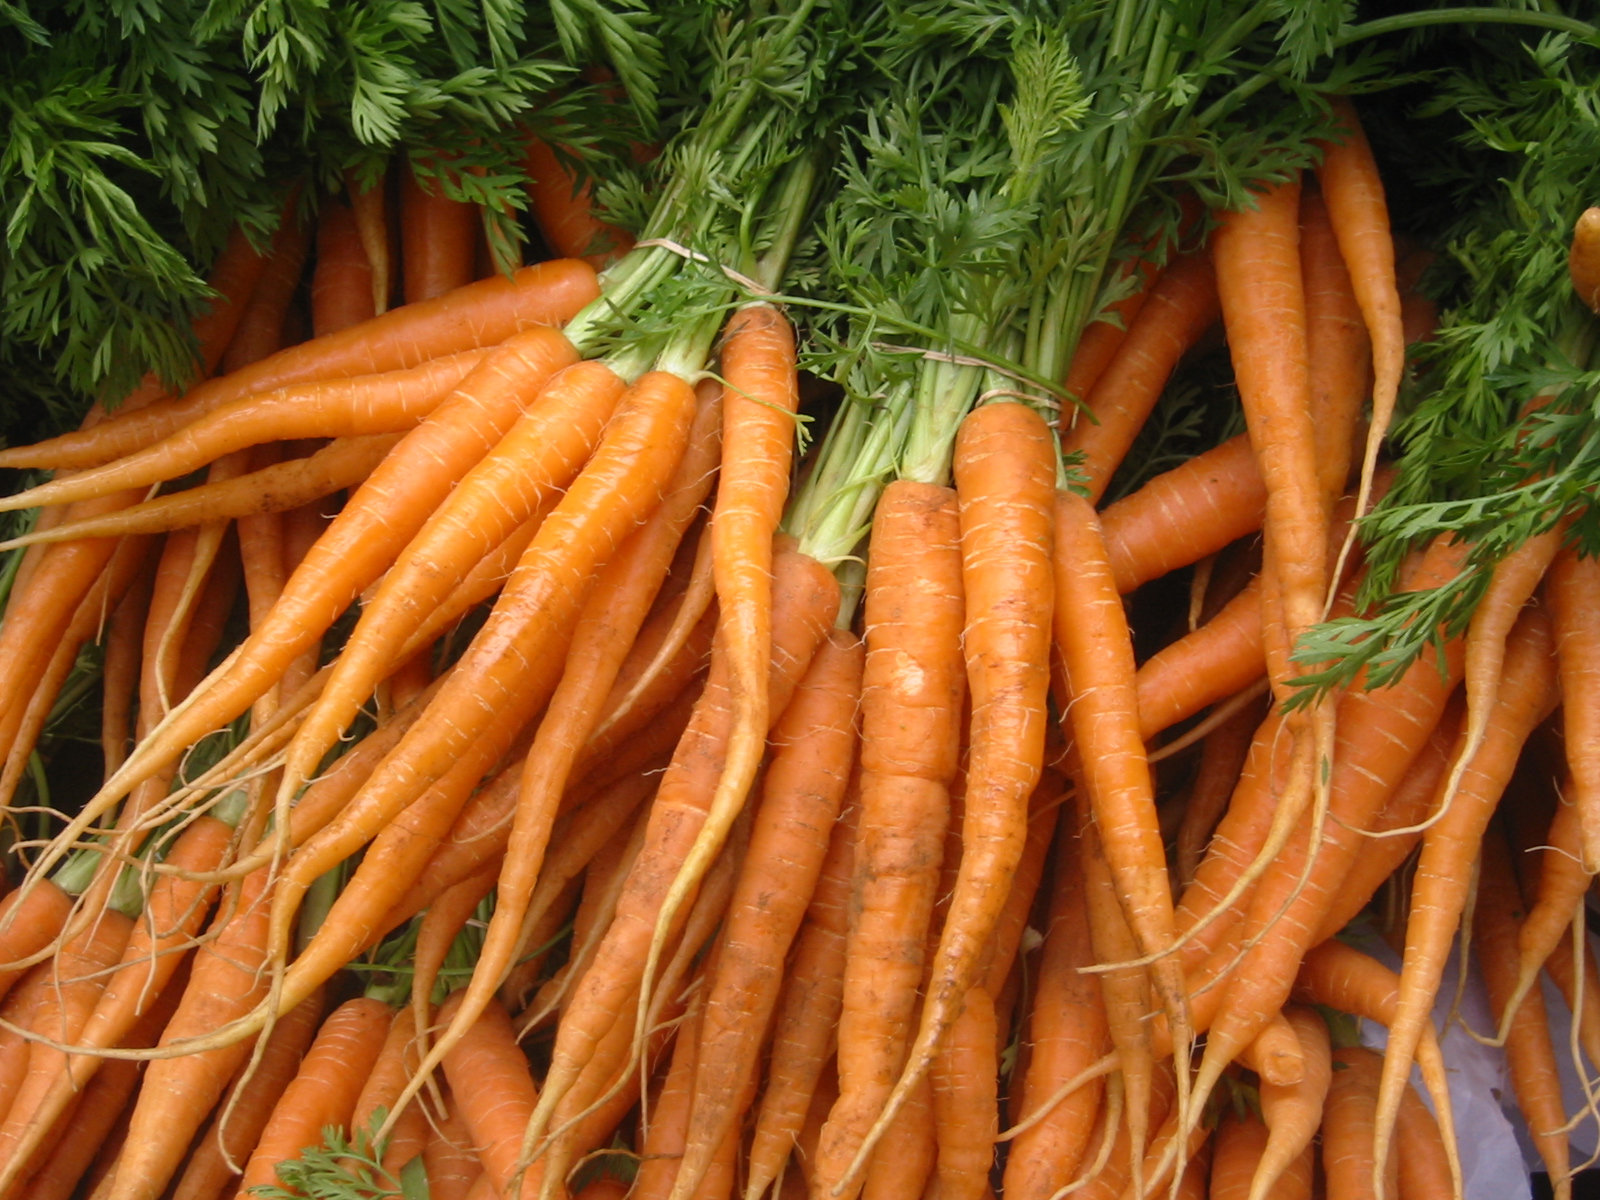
x=33, y=920
x=482, y=314
x=1338, y=352
x=491, y=1081
x=1181, y=305
x=1573, y=595
x=812, y=748
x=1292, y=1114
x=805, y=603
x=911, y=696
x=324, y=1090
x=1096, y=649
x=1221, y=658
x=1424, y=1163
x=152, y=953
x=1350, y=1154
x=341, y=282
x=394, y=402
x=1068, y=1032
x=561, y=210
x=274, y=488
x=803, y=1031
x=449, y=1158
x=245, y=1110
x=537, y=458
x=1004, y=466
x=1526, y=695
x=383, y=1086
x=1353, y=190
x=436, y=239
x=491, y=693
x=904, y=1162
x=1183, y=515
x=965, y=1103
x=369, y=206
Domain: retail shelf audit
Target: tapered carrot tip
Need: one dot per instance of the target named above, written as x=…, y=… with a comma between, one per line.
x=1584, y=261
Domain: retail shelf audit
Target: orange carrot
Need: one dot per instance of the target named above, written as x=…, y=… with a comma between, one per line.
x=1221, y=762
x=1424, y=1164
x=436, y=237
x=383, y=1086
x=324, y=1090
x=965, y=1104
x=245, y=1110
x=260, y=330
x=909, y=742
x=1583, y=262
x=341, y=283
x=561, y=209
x=1101, y=338
x=1573, y=594
x=1181, y=305
x=1221, y=658
x=447, y=915
x=491, y=1081
x=369, y=207
x=1292, y=1114
x=120, y=673
x=1338, y=352
x=33, y=920
x=1183, y=515
x=451, y=1162
x=1349, y=1152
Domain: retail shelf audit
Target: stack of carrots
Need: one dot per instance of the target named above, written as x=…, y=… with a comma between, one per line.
x=496, y=800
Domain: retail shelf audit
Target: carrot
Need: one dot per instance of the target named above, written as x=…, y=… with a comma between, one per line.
x=1096, y=650
x=120, y=672
x=1350, y=1153
x=1116, y=1170
x=812, y=747
x=539, y=456
x=1526, y=695
x=369, y=207
x=1103, y=337
x=341, y=282
x=1530, y=1054
x=260, y=328
x=479, y=315
x=1068, y=1032
x=1196, y=1181
x=1424, y=1164
x=491, y=1081
x=32, y=921
x=1238, y=1149
x=436, y=239
x=1221, y=763
x=1338, y=352
x=447, y=915
x=965, y=1103
x=152, y=953
x=1004, y=469
x=561, y=209
x=491, y=693
x=384, y=1084
x=451, y=1163
x=805, y=602
x=1359, y=214
x=324, y=1090
x=903, y=1164
x=803, y=1029
x=1573, y=593
x=666, y=1135
x=1583, y=262
x=1222, y=657
x=1181, y=305
x=1292, y=1114
x=910, y=720
x=411, y=678
x=359, y=406
x=243, y=1113
x=274, y=488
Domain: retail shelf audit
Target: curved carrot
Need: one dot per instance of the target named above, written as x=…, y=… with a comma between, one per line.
x=243, y=1113
x=911, y=694
x=561, y=209
x=805, y=603
x=1526, y=696
x=436, y=239
x=1221, y=658
x=538, y=457
x=1292, y=1114
x=491, y=1081
x=33, y=920
x=1583, y=261
x=324, y=1090
x=1573, y=595
x=260, y=329
x=394, y=402
x=274, y=488
x=813, y=744
x=479, y=315
x=341, y=282
x=1181, y=305
x=1183, y=515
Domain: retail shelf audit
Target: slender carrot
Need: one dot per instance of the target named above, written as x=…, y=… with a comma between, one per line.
x=341, y=282
x=244, y=1111
x=903, y=1164
x=1181, y=305
x=482, y=314
x=1183, y=515
x=813, y=744
x=490, y=1079
x=120, y=672
x=1222, y=761
x=1221, y=658
x=449, y=1158
x=324, y=1090
x=1292, y=1114
x=1562, y=885
x=666, y=1136
x=1101, y=339
x=910, y=718
x=369, y=206
x=275, y=488
x=359, y=406
x=260, y=329
x=447, y=915
x=805, y=602
x=1573, y=594
x=1338, y=352
x=1526, y=695
x=436, y=238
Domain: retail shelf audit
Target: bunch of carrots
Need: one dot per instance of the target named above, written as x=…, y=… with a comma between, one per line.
x=498, y=802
